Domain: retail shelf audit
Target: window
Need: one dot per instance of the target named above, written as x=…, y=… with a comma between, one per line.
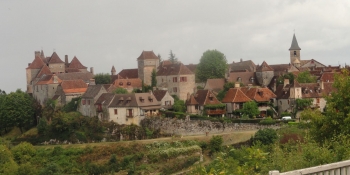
x=183, y=79
x=174, y=79
x=128, y=83
x=317, y=100
x=174, y=89
x=142, y=112
x=88, y=102
x=168, y=103
x=115, y=111
x=295, y=53
x=129, y=113
x=83, y=101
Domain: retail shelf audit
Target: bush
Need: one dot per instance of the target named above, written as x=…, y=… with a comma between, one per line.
x=286, y=114
x=265, y=136
x=215, y=144
x=23, y=152
x=267, y=121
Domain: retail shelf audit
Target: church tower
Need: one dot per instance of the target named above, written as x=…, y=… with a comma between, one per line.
x=147, y=61
x=295, y=53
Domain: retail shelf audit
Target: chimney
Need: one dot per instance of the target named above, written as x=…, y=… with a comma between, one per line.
x=286, y=81
x=321, y=85
x=92, y=82
x=237, y=85
x=241, y=60
x=36, y=54
x=29, y=64
x=92, y=70
x=66, y=59
x=55, y=78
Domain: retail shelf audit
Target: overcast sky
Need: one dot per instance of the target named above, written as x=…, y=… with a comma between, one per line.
x=105, y=33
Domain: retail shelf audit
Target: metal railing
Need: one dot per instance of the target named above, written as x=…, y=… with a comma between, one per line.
x=338, y=168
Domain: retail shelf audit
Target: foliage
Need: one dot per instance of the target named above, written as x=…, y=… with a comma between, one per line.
x=16, y=109
x=72, y=105
x=213, y=64
x=283, y=114
x=223, y=92
x=303, y=103
x=250, y=109
x=120, y=90
x=265, y=136
x=154, y=78
x=102, y=78
x=23, y=152
x=42, y=126
x=179, y=106
x=306, y=77
x=7, y=164
x=267, y=121
x=289, y=76
x=215, y=144
x=172, y=57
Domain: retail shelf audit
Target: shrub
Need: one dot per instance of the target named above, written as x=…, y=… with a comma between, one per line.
x=23, y=152
x=215, y=144
x=265, y=136
x=267, y=121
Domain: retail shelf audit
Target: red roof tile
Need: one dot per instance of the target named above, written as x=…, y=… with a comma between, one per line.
x=264, y=67
x=74, y=86
x=125, y=83
x=147, y=55
x=235, y=95
x=36, y=64
x=55, y=59
x=259, y=94
x=75, y=63
x=44, y=70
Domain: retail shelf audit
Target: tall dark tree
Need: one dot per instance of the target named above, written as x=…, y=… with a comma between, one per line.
x=213, y=64
x=172, y=57
x=154, y=78
x=17, y=109
x=102, y=78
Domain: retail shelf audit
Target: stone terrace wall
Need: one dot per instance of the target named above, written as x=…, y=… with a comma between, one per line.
x=197, y=127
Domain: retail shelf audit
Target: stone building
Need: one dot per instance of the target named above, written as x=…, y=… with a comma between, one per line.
x=147, y=62
x=196, y=103
x=163, y=96
x=264, y=74
x=89, y=98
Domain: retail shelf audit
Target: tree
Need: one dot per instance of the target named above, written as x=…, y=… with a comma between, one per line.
x=223, y=92
x=215, y=144
x=213, y=64
x=120, y=90
x=265, y=136
x=179, y=106
x=3, y=119
x=154, y=78
x=250, y=109
x=102, y=78
x=72, y=105
x=17, y=110
x=289, y=76
x=306, y=77
x=172, y=57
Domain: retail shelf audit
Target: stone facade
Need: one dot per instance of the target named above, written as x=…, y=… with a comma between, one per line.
x=126, y=116
x=147, y=62
x=179, y=85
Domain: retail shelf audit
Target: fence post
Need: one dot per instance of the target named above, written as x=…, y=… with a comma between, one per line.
x=274, y=172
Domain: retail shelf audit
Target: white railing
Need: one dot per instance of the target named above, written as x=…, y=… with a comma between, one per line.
x=338, y=168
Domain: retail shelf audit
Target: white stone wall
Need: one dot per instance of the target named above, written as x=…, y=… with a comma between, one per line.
x=167, y=97
x=57, y=67
x=121, y=118
x=183, y=88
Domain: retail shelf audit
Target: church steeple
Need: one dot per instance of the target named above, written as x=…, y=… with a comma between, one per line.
x=294, y=51
x=113, y=71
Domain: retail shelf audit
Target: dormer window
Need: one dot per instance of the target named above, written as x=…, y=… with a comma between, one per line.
x=150, y=99
x=121, y=83
x=128, y=100
x=252, y=79
x=141, y=99
x=128, y=83
x=239, y=79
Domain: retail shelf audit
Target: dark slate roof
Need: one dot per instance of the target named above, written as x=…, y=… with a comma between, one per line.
x=245, y=78
x=192, y=67
x=243, y=65
x=126, y=83
x=75, y=63
x=126, y=73
x=159, y=94
x=105, y=99
x=174, y=69
x=55, y=58
x=92, y=91
x=75, y=76
x=294, y=45
x=282, y=92
x=264, y=67
x=147, y=55
x=113, y=69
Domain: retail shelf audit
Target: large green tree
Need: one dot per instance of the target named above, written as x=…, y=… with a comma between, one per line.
x=102, y=78
x=17, y=110
x=213, y=64
x=154, y=78
x=250, y=109
x=306, y=77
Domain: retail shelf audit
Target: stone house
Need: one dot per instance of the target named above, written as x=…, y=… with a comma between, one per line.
x=263, y=96
x=129, y=84
x=69, y=89
x=147, y=62
x=88, y=99
x=46, y=88
x=264, y=74
x=177, y=79
x=196, y=103
x=165, y=99
x=127, y=108
x=234, y=99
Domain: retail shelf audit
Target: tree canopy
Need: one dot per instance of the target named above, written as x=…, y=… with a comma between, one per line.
x=154, y=78
x=306, y=77
x=251, y=109
x=172, y=57
x=102, y=78
x=289, y=76
x=120, y=90
x=213, y=64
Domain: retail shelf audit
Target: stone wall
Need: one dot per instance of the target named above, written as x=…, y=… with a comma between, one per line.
x=197, y=127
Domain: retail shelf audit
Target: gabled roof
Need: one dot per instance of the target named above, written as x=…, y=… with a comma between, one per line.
x=36, y=64
x=312, y=63
x=294, y=45
x=55, y=58
x=243, y=77
x=126, y=73
x=174, y=69
x=159, y=94
x=259, y=94
x=215, y=84
x=86, y=76
x=92, y=91
x=73, y=86
x=44, y=71
x=75, y=63
x=192, y=67
x=264, y=67
x=235, y=95
x=71, y=70
x=327, y=76
x=203, y=97
x=243, y=65
x=191, y=101
x=49, y=79
x=105, y=99
x=145, y=55
x=135, y=100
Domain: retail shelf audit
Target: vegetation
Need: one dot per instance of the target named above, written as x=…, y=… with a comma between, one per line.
x=306, y=77
x=250, y=109
x=223, y=92
x=102, y=78
x=289, y=76
x=120, y=90
x=265, y=136
x=172, y=57
x=213, y=64
x=154, y=78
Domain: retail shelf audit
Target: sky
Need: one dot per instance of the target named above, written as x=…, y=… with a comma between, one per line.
x=114, y=32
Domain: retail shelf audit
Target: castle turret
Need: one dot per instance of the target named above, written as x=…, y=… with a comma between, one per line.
x=113, y=71
x=147, y=61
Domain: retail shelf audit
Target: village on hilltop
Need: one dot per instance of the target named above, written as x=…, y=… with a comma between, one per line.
x=51, y=78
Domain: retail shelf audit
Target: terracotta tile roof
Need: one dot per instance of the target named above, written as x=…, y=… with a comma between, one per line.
x=126, y=83
x=76, y=76
x=192, y=67
x=311, y=90
x=159, y=94
x=74, y=86
x=72, y=70
x=282, y=92
x=264, y=67
x=36, y=64
x=105, y=99
x=327, y=77
x=243, y=65
x=55, y=59
x=215, y=84
x=49, y=79
x=92, y=91
x=235, y=95
x=147, y=55
x=244, y=77
x=126, y=73
x=191, y=101
x=44, y=71
x=174, y=69
x=312, y=61
x=75, y=63
x=259, y=94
